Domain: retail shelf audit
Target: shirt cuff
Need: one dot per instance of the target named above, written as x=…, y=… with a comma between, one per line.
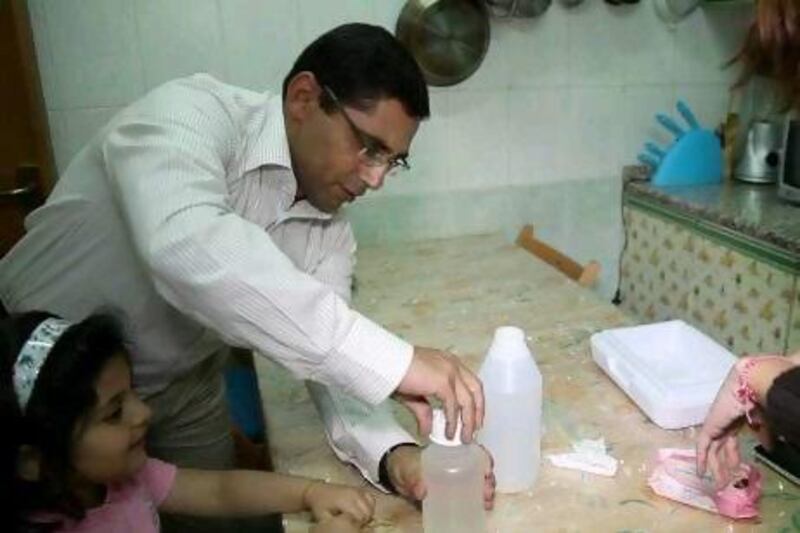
x=371, y=362
x=368, y=461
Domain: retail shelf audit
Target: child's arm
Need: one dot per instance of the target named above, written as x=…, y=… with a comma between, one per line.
x=246, y=492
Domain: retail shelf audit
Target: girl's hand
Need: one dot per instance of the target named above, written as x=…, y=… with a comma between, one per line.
x=327, y=501
x=717, y=447
x=337, y=524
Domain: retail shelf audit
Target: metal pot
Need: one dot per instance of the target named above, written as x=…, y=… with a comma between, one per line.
x=448, y=38
x=519, y=8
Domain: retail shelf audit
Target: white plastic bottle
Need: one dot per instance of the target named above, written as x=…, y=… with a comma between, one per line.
x=453, y=474
x=512, y=386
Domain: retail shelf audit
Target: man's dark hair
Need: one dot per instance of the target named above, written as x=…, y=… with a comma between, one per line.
x=362, y=64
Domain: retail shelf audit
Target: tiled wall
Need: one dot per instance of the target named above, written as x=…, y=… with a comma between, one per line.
x=564, y=98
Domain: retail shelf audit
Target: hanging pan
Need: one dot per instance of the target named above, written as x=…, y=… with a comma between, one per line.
x=448, y=38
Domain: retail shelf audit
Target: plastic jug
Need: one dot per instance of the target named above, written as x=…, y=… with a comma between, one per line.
x=512, y=386
x=453, y=474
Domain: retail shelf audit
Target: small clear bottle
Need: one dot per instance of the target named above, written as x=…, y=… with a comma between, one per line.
x=453, y=474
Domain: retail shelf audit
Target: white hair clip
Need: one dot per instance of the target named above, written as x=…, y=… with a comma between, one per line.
x=33, y=355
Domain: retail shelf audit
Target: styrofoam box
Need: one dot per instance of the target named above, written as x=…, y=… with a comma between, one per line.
x=669, y=369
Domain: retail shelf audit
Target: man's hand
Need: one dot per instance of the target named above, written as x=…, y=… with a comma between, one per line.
x=441, y=375
x=404, y=466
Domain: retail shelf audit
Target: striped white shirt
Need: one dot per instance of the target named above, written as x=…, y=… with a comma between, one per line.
x=181, y=213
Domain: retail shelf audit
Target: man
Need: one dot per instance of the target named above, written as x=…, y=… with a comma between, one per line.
x=208, y=215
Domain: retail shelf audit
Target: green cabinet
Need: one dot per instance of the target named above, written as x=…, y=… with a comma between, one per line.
x=741, y=292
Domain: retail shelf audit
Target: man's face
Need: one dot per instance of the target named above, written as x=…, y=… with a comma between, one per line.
x=331, y=153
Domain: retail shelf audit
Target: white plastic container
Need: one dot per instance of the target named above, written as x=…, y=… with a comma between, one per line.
x=512, y=386
x=669, y=369
x=453, y=474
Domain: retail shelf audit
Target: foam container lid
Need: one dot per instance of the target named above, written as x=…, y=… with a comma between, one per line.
x=670, y=370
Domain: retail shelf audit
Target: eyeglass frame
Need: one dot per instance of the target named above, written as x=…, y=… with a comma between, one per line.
x=369, y=143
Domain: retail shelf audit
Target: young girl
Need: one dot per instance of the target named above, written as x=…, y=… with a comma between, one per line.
x=73, y=456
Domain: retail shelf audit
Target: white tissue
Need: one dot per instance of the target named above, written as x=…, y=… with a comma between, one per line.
x=587, y=456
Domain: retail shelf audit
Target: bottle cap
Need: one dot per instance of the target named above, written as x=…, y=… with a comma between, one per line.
x=510, y=334
x=438, y=430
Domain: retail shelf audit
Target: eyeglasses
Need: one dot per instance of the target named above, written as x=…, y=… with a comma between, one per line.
x=374, y=152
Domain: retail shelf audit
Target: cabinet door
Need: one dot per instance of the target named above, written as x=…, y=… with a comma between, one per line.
x=26, y=162
x=793, y=344
x=656, y=275
x=741, y=302
x=670, y=271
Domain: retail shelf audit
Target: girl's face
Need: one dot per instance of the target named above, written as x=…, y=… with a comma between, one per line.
x=110, y=438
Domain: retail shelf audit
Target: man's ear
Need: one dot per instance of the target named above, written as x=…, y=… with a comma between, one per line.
x=302, y=96
x=29, y=463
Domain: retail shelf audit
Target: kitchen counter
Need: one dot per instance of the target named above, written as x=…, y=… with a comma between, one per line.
x=753, y=211
x=452, y=294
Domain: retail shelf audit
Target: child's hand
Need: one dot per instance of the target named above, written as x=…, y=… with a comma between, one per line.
x=328, y=500
x=336, y=524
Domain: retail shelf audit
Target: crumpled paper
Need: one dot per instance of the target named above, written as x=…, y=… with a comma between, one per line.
x=675, y=477
x=587, y=456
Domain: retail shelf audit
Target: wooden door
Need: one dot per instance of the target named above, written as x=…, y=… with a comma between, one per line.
x=27, y=171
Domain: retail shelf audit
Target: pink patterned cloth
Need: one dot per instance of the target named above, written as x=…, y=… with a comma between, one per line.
x=130, y=507
x=675, y=477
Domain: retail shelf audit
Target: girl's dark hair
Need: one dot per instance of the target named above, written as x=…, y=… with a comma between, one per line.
x=772, y=48
x=63, y=393
x=361, y=64
x=783, y=407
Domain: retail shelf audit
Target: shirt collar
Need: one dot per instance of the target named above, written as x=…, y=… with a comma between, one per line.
x=271, y=149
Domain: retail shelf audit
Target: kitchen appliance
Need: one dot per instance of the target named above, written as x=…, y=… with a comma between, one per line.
x=448, y=38
x=789, y=175
x=760, y=161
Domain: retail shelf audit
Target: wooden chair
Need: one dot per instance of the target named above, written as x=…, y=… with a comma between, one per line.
x=586, y=276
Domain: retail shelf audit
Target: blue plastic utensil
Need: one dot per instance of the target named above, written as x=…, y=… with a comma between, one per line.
x=694, y=158
x=655, y=151
x=687, y=115
x=670, y=124
x=647, y=160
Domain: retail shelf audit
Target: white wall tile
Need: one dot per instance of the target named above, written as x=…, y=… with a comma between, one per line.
x=640, y=104
x=537, y=132
x=178, y=38
x=386, y=12
x=707, y=40
x=709, y=102
x=75, y=128
x=55, y=120
x=93, y=43
x=261, y=41
x=316, y=17
x=429, y=154
x=478, y=136
x=536, y=49
x=597, y=48
x=44, y=52
x=594, y=121
x=564, y=97
x=649, y=46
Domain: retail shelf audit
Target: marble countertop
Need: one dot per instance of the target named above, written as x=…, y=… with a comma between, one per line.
x=452, y=294
x=753, y=210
